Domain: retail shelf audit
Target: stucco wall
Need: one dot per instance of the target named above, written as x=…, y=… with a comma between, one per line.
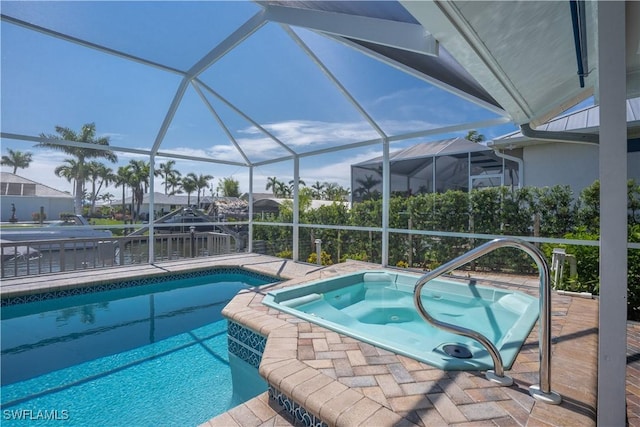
x=26, y=206
x=568, y=164
x=547, y=165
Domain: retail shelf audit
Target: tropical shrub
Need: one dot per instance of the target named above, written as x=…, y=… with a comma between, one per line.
x=360, y=256
x=556, y=209
x=587, y=260
x=544, y=212
x=325, y=258
x=287, y=254
x=588, y=207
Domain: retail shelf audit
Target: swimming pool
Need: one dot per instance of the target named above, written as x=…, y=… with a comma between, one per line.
x=154, y=354
x=377, y=307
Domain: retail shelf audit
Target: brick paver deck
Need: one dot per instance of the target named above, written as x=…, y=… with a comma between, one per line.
x=633, y=374
x=346, y=382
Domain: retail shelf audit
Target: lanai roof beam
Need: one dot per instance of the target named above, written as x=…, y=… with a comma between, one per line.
x=402, y=35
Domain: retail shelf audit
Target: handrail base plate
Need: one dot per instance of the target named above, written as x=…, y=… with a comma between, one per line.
x=551, y=398
x=504, y=381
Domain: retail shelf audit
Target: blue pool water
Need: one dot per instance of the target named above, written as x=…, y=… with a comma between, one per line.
x=142, y=356
x=377, y=307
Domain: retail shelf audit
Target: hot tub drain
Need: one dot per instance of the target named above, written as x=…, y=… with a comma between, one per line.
x=458, y=351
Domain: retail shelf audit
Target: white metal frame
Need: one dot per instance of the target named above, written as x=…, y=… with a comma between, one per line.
x=611, y=92
x=612, y=342
x=402, y=35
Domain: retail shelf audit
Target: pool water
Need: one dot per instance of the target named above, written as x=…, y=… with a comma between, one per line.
x=378, y=308
x=143, y=356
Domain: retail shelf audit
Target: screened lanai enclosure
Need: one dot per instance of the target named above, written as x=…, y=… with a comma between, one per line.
x=436, y=167
x=289, y=92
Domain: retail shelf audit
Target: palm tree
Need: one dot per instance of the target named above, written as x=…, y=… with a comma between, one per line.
x=99, y=175
x=474, y=136
x=16, y=159
x=229, y=187
x=272, y=183
x=123, y=177
x=283, y=190
x=69, y=171
x=318, y=190
x=139, y=182
x=167, y=172
x=107, y=197
x=366, y=185
x=300, y=183
x=86, y=136
x=175, y=184
x=289, y=192
x=201, y=181
x=189, y=186
x=336, y=192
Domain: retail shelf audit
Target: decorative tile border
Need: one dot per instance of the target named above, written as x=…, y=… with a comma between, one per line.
x=122, y=284
x=245, y=343
x=299, y=413
x=247, y=337
x=249, y=346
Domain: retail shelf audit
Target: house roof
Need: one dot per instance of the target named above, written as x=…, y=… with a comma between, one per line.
x=585, y=120
x=274, y=202
x=411, y=159
x=15, y=185
x=162, y=199
x=445, y=147
x=257, y=196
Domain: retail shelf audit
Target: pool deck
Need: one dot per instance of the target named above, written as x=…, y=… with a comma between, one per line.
x=343, y=382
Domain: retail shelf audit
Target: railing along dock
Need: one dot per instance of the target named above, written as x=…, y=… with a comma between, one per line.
x=34, y=257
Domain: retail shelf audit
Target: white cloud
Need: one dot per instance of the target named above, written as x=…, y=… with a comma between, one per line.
x=298, y=135
x=304, y=133
x=338, y=171
x=399, y=127
x=403, y=96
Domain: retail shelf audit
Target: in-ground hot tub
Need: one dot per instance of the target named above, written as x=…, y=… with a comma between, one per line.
x=377, y=307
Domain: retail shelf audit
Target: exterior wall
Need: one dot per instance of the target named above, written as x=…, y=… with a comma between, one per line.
x=546, y=165
x=568, y=164
x=163, y=208
x=27, y=205
x=633, y=166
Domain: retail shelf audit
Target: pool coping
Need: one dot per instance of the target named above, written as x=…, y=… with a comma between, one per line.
x=94, y=278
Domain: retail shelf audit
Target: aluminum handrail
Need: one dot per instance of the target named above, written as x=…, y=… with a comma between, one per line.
x=543, y=391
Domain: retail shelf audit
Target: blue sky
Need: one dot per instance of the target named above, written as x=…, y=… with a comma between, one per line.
x=48, y=82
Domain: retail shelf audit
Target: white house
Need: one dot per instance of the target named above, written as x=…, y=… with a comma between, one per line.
x=28, y=197
x=546, y=161
x=163, y=203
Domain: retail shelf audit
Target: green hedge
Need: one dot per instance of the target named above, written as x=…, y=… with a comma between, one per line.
x=545, y=212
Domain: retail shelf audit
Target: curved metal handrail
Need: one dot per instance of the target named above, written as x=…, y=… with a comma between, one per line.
x=544, y=388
